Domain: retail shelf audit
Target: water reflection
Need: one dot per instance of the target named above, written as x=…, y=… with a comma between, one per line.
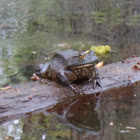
x=116, y=118
x=80, y=114
x=11, y=130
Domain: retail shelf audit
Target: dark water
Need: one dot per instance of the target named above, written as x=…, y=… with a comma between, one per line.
x=116, y=118
x=32, y=31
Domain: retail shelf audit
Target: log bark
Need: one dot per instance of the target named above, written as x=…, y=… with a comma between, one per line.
x=32, y=97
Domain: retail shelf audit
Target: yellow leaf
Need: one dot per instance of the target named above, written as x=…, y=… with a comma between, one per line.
x=99, y=64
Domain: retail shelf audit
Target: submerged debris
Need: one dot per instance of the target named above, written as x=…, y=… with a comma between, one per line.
x=124, y=131
x=111, y=123
x=129, y=127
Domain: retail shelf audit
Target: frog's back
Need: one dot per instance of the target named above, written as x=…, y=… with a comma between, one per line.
x=61, y=58
x=67, y=54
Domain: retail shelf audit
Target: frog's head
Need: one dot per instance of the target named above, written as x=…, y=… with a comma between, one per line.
x=84, y=58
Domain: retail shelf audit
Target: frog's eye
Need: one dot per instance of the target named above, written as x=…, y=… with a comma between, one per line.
x=82, y=56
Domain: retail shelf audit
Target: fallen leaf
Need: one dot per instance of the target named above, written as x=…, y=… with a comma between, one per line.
x=87, y=51
x=136, y=67
x=100, y=64
x=35, y=77
x=29, y=98
x=5, y=88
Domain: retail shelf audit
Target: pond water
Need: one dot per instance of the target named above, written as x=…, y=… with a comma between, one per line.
x=31, y=31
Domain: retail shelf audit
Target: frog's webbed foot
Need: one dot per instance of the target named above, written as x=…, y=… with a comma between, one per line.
x=64, y=78
x=76, y=89
x=97, y=82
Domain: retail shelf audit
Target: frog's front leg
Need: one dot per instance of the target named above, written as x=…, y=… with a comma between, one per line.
x=42, y=70
x=66, y=77
x=96, y=80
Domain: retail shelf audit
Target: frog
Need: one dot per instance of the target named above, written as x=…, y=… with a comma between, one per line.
x=69, y=66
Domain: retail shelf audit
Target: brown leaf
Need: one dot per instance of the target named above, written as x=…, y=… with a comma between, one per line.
x=136, y=67
x=30, y=98
x=134, y=56
x=35, y=77
x=100, y=64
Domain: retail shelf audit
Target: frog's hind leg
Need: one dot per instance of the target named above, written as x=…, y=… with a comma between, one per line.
x=96, y=81
x=66, y=77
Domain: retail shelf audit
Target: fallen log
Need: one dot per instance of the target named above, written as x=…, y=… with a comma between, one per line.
x=32, y=97
x=119, y=74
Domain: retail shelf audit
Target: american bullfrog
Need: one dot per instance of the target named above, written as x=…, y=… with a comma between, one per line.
x=69, y=66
